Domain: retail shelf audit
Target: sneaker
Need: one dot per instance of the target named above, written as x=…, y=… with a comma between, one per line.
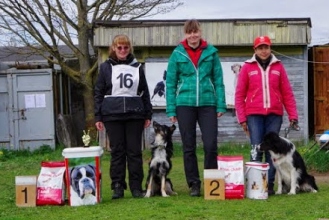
x=136, y=193
x=195, y=190
x=118, y=191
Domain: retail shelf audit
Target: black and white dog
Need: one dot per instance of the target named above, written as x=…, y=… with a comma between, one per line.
x=160, y=165
x=82, y=185
x=292, y=174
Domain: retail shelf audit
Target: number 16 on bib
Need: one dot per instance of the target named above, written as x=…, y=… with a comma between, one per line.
x=214, y=184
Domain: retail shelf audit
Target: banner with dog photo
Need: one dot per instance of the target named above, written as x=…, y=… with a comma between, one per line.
x=156, y=79
x=156, y=71
x=230, y=74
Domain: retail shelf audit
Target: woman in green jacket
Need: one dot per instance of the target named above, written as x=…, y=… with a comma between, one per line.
x=195, y=93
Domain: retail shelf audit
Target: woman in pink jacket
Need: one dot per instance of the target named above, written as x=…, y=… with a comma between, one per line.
x=263, y=90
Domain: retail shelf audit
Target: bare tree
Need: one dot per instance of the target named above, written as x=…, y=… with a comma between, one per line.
x=43, y=25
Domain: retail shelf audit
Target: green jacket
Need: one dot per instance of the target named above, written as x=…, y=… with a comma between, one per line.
x=187, y=85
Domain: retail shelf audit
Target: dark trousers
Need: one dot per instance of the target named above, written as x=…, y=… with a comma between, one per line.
x=187, y=118
x=126, y=148
x=258, y=126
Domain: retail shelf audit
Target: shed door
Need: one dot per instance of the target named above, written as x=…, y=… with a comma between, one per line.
x=321, y=89
x=30, y=109
x=4, y=113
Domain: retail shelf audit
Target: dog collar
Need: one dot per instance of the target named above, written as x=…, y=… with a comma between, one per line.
x=275, y=159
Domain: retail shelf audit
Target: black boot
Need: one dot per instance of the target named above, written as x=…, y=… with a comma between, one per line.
x=136, y=193
x=118, y=191
x=195, y=189
x=270, y=189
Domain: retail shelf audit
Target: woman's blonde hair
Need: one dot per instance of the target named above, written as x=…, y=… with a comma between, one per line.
x=191, y=26
x=120, y=39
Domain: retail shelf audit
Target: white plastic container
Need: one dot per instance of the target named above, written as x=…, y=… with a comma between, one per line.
x=256, y=180
x=83, y=175
x=324, y=138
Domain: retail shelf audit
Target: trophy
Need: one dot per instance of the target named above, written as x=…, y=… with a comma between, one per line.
x=86, y=138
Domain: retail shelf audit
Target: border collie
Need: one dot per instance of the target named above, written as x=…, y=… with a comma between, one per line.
x=292, y=174
x=160, y=165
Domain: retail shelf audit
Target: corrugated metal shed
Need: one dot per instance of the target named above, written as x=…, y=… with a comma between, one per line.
x=219, y=32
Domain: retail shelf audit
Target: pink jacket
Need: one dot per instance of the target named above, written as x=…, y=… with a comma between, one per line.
x=264, y=92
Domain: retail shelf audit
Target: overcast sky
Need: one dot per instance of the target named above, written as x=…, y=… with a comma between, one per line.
x=317, y=10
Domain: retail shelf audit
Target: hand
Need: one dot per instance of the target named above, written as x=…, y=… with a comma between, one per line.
x=294, y=124
x=173, y=119
x=147, y=123
x=245, y=128
x=99, y=125
x=219, y=114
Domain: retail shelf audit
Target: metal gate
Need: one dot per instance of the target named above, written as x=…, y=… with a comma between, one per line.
x=26, y=109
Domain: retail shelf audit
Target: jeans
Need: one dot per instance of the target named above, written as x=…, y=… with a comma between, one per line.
x=258, y=126
x=187, y=118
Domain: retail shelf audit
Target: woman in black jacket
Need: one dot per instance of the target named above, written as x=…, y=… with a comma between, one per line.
x=123, y=106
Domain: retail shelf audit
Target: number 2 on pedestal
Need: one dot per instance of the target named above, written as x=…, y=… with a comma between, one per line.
x=214, y=189
x=216, y=186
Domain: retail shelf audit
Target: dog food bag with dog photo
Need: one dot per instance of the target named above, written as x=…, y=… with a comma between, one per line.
x=51, y=184
x=234, y=176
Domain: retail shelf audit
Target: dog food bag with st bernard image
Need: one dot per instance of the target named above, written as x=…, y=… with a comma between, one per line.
x=234, y=176
x=51, y=184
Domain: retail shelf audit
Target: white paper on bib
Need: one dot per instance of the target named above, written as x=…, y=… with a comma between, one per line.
x=125, y=80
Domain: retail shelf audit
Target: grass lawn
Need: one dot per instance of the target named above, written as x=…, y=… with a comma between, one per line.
x=301, y=206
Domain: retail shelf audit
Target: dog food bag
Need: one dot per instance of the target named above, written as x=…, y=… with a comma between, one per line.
x=51, y=184
x=234, y=176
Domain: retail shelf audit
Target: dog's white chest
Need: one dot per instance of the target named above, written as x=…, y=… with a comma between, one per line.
x=158, y=140
x=160, y=156
x=286, y=170
x=284, y=165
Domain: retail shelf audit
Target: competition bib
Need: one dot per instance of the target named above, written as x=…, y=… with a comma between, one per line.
x=125, y=80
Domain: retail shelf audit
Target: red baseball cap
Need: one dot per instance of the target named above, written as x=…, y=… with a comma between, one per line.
x=262, y=40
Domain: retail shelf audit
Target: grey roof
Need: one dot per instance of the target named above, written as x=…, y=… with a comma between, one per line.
x=172, y=22
x=25, y=54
